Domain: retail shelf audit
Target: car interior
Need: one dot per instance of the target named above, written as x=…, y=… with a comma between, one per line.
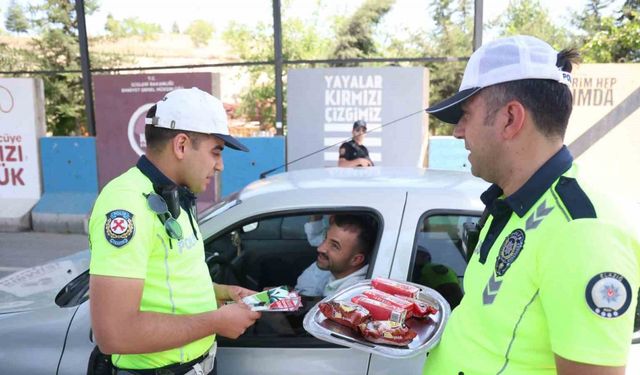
x=267, y=252
x=439, y=259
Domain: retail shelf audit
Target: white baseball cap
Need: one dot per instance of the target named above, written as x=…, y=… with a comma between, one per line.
x=502, y=60
x=193, y=110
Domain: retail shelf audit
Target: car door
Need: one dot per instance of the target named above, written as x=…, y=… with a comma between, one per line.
x=271, y=346
x=429, y=239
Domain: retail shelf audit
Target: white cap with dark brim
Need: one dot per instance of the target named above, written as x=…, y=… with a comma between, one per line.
x=449, y=109
x=196, y=111
x=503, y=60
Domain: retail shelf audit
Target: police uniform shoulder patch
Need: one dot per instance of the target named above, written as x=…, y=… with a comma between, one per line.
x=509, y=251
x=608, y=294
x=343, y=150
x=119, y=228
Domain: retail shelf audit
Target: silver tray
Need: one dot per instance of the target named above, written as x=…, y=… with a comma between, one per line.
x=429, y=330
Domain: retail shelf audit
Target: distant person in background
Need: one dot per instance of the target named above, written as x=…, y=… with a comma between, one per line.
x=354, y=153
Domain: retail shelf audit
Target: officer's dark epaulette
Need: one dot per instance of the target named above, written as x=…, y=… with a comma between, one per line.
x=575, y=199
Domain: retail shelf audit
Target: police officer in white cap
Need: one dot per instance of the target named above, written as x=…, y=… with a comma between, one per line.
x=552, y=285
x=153, y=305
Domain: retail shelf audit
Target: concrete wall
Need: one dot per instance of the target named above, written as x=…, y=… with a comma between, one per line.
x=322, y=105
x=604, y=133
x=70, y=179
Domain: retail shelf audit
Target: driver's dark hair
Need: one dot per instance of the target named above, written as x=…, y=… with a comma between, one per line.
x=549, y=102
x=365, y=225
x=157, y=137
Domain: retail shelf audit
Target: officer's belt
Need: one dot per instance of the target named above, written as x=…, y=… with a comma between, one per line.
x=199, y=366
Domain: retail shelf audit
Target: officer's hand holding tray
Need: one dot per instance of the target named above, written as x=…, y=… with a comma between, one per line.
x=395, y=319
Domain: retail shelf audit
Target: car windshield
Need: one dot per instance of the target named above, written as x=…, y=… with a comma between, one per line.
x=226, y=203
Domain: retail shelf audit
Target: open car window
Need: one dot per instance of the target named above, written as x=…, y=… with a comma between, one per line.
x=439, y=259
x=265, y=252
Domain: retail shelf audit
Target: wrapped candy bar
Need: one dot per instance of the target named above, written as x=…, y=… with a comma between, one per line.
x=395, y=287
x=345, y=313
x=274, y=299
x=387, y=298
x=292, y=302
x=387, y=332
x=379, y=310
x=420, y=309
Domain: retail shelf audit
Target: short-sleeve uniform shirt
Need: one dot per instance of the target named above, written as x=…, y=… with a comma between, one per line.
x=128, y=240
x=556, y=271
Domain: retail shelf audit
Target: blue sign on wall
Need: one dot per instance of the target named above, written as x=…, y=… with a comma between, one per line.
x=69, y=164
x=241, y=168
x=69, y=177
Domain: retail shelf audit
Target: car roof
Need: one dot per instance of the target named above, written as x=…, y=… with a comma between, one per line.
x=366, y=179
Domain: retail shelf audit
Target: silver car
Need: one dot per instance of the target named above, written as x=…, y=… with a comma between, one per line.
x=256, y=238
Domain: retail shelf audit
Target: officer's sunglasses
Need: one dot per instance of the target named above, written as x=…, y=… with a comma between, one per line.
x=159, y=206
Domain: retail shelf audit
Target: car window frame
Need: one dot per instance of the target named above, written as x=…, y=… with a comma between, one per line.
x=420, y=224
x=296, y=342
x=308, y=212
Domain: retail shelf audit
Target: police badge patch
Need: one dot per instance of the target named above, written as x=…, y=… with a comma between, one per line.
x=608, y=294
x=509, y=251
x=119, y=227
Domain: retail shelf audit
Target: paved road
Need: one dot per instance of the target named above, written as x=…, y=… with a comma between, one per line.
x=27, y=249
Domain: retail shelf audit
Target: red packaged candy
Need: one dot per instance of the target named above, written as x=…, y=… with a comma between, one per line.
x=387, y=298
x=395, y=287
x=379, y=310
x=345, y=313
x=420, y=309
x=387, y=332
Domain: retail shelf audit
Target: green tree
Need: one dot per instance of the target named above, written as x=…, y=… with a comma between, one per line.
x=529, y=17
x=300, y=40
x=113, y=27
x=200, y=32
x=590, y=19
x=12, y=59
x=131, y=26
x=16, y=21
x=451, y=37
x=56, y=48
x=175, y=29
x=607, y=39
x=355, y=37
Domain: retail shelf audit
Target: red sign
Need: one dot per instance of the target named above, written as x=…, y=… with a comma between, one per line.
x=121, y=103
